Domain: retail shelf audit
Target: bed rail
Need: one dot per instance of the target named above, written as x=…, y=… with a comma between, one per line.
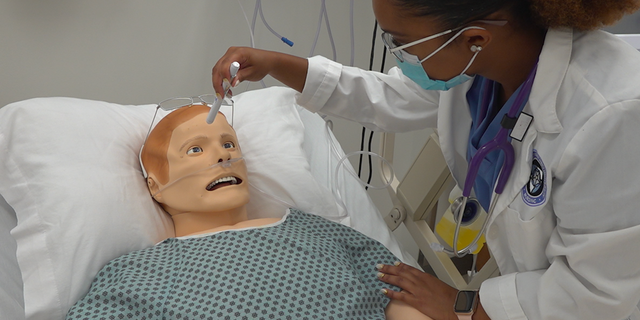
x=415, y=200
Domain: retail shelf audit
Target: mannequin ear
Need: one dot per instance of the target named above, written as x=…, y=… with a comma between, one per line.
x=154, y=188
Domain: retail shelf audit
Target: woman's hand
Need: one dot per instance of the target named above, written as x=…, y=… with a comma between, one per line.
x=420, y=290
x=255, y=64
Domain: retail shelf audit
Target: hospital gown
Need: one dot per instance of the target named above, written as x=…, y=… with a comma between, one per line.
x=303, y=267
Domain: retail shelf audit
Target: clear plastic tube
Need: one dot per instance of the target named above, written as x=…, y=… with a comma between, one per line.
x=258, y=10
x=253, y=44
x=334, y=150
x=335, y=183
x=255, y=16
x=315, y=41
x=224, y=164
x=252, y=28
x=326, y=20
x=284, y=202
x=366, y=184
x=265, y=22
x=323, y=14
x=352, y=33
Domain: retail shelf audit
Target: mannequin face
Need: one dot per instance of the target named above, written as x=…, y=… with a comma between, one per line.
x=196, y=145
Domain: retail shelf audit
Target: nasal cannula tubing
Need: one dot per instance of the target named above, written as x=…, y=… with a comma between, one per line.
x=287, y=204
x=224, y=164
x=334, y=183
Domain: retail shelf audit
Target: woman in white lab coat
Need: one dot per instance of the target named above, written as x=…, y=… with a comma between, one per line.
x=565, y=231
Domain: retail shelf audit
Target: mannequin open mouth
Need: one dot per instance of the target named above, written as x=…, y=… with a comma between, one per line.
x=223, y=182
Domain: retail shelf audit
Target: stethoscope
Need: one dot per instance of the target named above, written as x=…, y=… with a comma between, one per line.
x=499, y=142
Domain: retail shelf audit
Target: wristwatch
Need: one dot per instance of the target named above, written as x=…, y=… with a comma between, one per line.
x=466, y=303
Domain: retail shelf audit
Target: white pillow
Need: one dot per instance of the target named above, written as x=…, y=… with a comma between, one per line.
x=271, y=136
x=69, y=168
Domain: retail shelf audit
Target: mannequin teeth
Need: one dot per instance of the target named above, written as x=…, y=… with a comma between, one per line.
x=229, y=180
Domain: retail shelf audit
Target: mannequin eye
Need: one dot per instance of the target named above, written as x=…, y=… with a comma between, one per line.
x=229, y=145
x=194, y=149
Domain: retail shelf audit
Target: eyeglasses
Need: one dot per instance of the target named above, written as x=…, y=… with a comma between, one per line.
x=177, y=103
x=394, y=46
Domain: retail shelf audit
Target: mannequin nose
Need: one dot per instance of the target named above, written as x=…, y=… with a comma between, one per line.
x=223, y=154
x=225, y=163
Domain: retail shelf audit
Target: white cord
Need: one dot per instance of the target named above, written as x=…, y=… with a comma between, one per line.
x=370, y=153
x=326, y=19
x=265, y=21
x=257, y=8
x=335, y=184
x=353, y=41
x=255, y=16
x=341, y=159
x=253, y=44
x=315, y=41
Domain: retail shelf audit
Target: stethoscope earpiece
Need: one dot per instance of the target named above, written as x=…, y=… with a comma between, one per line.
x=475, y=48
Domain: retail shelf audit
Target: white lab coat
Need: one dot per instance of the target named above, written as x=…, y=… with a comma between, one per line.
x=568, y=250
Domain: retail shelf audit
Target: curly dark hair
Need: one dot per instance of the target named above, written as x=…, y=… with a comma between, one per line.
x=577, y=14
x=582, y=14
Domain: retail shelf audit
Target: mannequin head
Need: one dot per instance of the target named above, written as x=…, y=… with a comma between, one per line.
x=183, y=144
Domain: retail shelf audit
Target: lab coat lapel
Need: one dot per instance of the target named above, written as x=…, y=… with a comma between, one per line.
x=454, y=118
x=552, y=67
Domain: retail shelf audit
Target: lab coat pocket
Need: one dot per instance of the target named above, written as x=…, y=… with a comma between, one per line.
x=528, y=233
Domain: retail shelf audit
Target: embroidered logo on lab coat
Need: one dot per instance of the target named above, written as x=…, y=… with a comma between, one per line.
x=534, y=193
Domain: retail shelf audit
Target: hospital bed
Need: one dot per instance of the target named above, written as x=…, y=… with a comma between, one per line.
x=70, y=185
x=420, y=199
x=72, y=196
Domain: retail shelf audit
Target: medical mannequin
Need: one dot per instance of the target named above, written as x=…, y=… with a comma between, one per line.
x=209, y=202
x=193, y=208
x=564, y=225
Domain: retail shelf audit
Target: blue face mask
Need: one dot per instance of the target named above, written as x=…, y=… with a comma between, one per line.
x=412, y=68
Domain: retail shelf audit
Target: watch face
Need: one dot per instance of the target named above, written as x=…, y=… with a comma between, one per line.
x=465, y=301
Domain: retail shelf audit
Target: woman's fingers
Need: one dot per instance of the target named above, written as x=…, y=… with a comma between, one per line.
x=420, y=290
x=402, y=274
x=252, y=67
x=404, y=283
x=403, y=296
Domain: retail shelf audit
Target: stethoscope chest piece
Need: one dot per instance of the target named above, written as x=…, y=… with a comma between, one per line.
x=470, y=238
x=471, y=211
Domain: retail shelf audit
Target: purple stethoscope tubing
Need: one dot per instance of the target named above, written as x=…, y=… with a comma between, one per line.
x=499, y=142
